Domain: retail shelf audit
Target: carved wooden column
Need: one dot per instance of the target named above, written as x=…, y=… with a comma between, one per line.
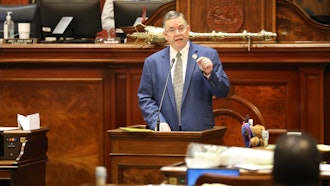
x=312, y=101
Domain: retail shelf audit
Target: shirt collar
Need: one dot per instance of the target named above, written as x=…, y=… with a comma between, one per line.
x=184, y=51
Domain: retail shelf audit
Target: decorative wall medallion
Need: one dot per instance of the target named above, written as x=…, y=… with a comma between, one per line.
x=225, y=16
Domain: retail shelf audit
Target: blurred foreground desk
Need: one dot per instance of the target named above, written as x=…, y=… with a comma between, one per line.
x=175, y=174
x=23, y=157
x=136, y=157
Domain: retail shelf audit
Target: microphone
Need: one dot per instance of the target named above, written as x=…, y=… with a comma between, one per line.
x=163, y=95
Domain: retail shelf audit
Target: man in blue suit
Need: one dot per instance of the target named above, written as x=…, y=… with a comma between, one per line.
x=203, y=77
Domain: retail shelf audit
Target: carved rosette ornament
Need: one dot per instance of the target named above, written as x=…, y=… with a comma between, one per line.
x=225, y=16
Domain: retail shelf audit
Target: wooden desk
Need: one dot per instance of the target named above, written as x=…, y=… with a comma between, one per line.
x=29, y=167
x=136, y=157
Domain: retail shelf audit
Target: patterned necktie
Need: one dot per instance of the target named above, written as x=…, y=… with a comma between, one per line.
x=178, y=84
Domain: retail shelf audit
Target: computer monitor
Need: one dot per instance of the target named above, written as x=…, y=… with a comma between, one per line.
x=86, y=15
x=126, y=12
x=22, y=14
x=323, y=19
x=194, y=173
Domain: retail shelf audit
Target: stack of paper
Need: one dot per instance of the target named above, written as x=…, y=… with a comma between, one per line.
x=206, y=156
x=29, y=122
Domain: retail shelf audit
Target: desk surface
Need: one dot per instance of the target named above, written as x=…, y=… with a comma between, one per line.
x=324, y=150
x=8, y=164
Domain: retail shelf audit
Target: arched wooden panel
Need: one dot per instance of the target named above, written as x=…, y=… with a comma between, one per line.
x=294, y=24
x=232, y=114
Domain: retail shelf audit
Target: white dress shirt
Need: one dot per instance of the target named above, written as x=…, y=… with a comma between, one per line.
x=107, y=16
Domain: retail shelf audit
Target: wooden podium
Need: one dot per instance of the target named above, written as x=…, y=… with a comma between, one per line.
x=136, y=157
x=23, y=157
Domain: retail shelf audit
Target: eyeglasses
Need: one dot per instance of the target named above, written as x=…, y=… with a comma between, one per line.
x=180, y=29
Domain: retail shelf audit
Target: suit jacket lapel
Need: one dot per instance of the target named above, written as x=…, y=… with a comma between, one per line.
x=191, y=65
x=166, y=65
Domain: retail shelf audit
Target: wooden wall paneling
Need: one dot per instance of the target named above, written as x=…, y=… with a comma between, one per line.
x=108, y=119
x=270, y=16
x=124, y=99
x=120, y=97
x=268, y=96
x=149, y=170
x=135, y=115
x=70, y=105
x=184, y=7
x=228, y=16
x=15, y=2
x=312, y=101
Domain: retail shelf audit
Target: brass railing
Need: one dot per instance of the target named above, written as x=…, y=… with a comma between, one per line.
x=154, y=35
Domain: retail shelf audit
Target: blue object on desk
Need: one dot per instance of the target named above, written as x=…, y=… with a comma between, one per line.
x=194, y=173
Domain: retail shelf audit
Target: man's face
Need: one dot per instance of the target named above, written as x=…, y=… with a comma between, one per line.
x=176, y=32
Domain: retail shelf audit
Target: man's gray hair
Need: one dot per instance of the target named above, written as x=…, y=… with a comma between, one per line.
x=173, y=14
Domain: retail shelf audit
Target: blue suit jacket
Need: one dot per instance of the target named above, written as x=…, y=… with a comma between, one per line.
x=196, y=111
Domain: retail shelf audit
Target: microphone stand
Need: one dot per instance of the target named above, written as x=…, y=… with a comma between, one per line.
x=163, y=95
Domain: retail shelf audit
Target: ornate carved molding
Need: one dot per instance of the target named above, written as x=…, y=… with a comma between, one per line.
x=225, y=16
x=294, y=24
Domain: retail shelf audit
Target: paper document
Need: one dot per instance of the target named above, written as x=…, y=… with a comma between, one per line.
x=8, y=128
x=253, y=167
x=62, y=25
x=133, y=129
x=29, y=122
x=325, y=167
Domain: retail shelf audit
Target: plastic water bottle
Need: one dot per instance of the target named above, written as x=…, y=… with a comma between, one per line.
x=8, y=27
x=101, y=175
x=265, y=137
